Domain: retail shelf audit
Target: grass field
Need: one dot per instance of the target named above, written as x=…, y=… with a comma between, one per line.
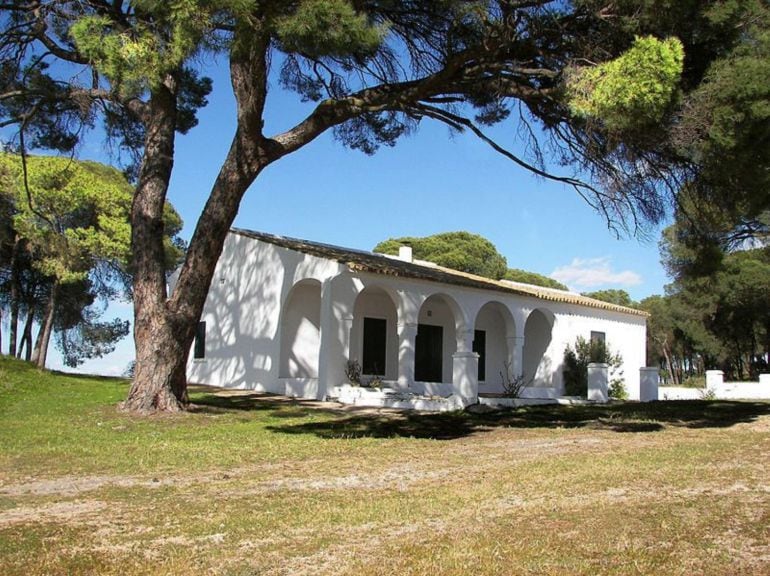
x=249, y=484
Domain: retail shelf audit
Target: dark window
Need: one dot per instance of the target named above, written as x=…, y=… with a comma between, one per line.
x=199, y=347
x=375, y=339
x=480, y=348
x=428, y=353
x=597, y=337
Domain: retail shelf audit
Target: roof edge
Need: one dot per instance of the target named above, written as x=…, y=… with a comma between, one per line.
x=365, y=261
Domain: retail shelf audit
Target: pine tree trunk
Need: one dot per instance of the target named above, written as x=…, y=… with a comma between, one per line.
x=14, y=327
x=40, y=355
x=164, y=327
x=669, y=368
x=159, y=378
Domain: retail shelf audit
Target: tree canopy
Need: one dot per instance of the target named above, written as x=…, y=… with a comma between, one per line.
x=466, y=252
x=595, y=85
x=714, y=314
x=517, y=275
x=457, y=250
x=66, y=251
x=613, y=296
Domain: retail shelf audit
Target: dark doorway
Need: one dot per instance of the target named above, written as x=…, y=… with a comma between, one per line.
x=428, y=353
x=375, y=341
x=480, y=348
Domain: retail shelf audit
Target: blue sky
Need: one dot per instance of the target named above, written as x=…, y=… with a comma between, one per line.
x=431, y=182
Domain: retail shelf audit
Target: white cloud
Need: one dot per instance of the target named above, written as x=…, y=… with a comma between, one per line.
x=584, y=273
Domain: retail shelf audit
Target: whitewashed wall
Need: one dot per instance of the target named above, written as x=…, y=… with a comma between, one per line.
x=242, y=313
x=253, y=280
x=624, y=333
x=491, y=321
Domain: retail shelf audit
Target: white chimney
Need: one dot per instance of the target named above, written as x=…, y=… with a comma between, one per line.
x=405, y=253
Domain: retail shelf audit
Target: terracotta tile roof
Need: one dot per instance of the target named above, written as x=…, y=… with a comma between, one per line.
x=363, y=261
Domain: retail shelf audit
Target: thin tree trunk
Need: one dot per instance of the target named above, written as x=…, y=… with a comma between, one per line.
x=40, y=354
x=15, y=295
x=14, y=327
x=669, y=368
x=26, y=337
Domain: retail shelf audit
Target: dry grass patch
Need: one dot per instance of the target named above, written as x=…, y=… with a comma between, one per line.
x=248, y=484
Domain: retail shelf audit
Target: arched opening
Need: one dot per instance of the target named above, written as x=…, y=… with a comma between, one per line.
x=494, y=323
x=301, y=331
x=374, y=335
x=537, y=339
x=436, y=340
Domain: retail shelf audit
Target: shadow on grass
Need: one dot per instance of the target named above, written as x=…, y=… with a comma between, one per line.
x=349, y=422
x=622, y=418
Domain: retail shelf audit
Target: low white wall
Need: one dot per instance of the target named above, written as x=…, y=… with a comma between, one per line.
x=721, y=390
x=432, y=388
x=737, y=390
x=742, y=390
x=538, y=392
x=680, y=393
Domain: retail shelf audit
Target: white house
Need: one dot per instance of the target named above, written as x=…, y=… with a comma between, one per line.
x=286, y=315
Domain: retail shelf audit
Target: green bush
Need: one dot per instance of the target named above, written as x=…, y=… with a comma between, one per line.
x=576, y=361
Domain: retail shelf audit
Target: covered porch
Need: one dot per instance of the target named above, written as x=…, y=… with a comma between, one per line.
x=411, y=338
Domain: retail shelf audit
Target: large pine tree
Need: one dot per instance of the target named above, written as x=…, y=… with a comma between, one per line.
x=600, y=79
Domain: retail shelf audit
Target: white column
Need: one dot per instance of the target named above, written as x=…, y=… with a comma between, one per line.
x=649, y=379
x=347, y=330
x=465, y=340
x=465, y=376
x=325, y=368
x=598, y=382
x=516, y=354
x=465, y=368
x=407, y=336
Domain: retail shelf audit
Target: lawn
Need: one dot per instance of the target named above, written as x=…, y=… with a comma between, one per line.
x=249, y=484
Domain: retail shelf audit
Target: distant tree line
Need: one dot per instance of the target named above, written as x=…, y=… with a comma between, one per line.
x=714, y=316
x=711, y=317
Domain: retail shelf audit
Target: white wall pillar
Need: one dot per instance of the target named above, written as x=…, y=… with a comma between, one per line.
x=714, y=379
x=598, y=382
x=336, y=307
x=325, y=368
x=407, y=336
x=347, y=330
x=465, y=340
x=516, y=354
x=465, y=376
x=465, y=368
x=649, y=380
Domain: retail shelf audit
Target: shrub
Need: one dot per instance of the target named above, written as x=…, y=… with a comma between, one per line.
x=577, y=359
x=353, y=372
x=512, y=383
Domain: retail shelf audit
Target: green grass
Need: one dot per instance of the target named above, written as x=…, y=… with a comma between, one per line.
x=248, y=484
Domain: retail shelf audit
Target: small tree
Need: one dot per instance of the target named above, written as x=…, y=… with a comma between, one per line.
x=585, y=352
x=65, y=252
